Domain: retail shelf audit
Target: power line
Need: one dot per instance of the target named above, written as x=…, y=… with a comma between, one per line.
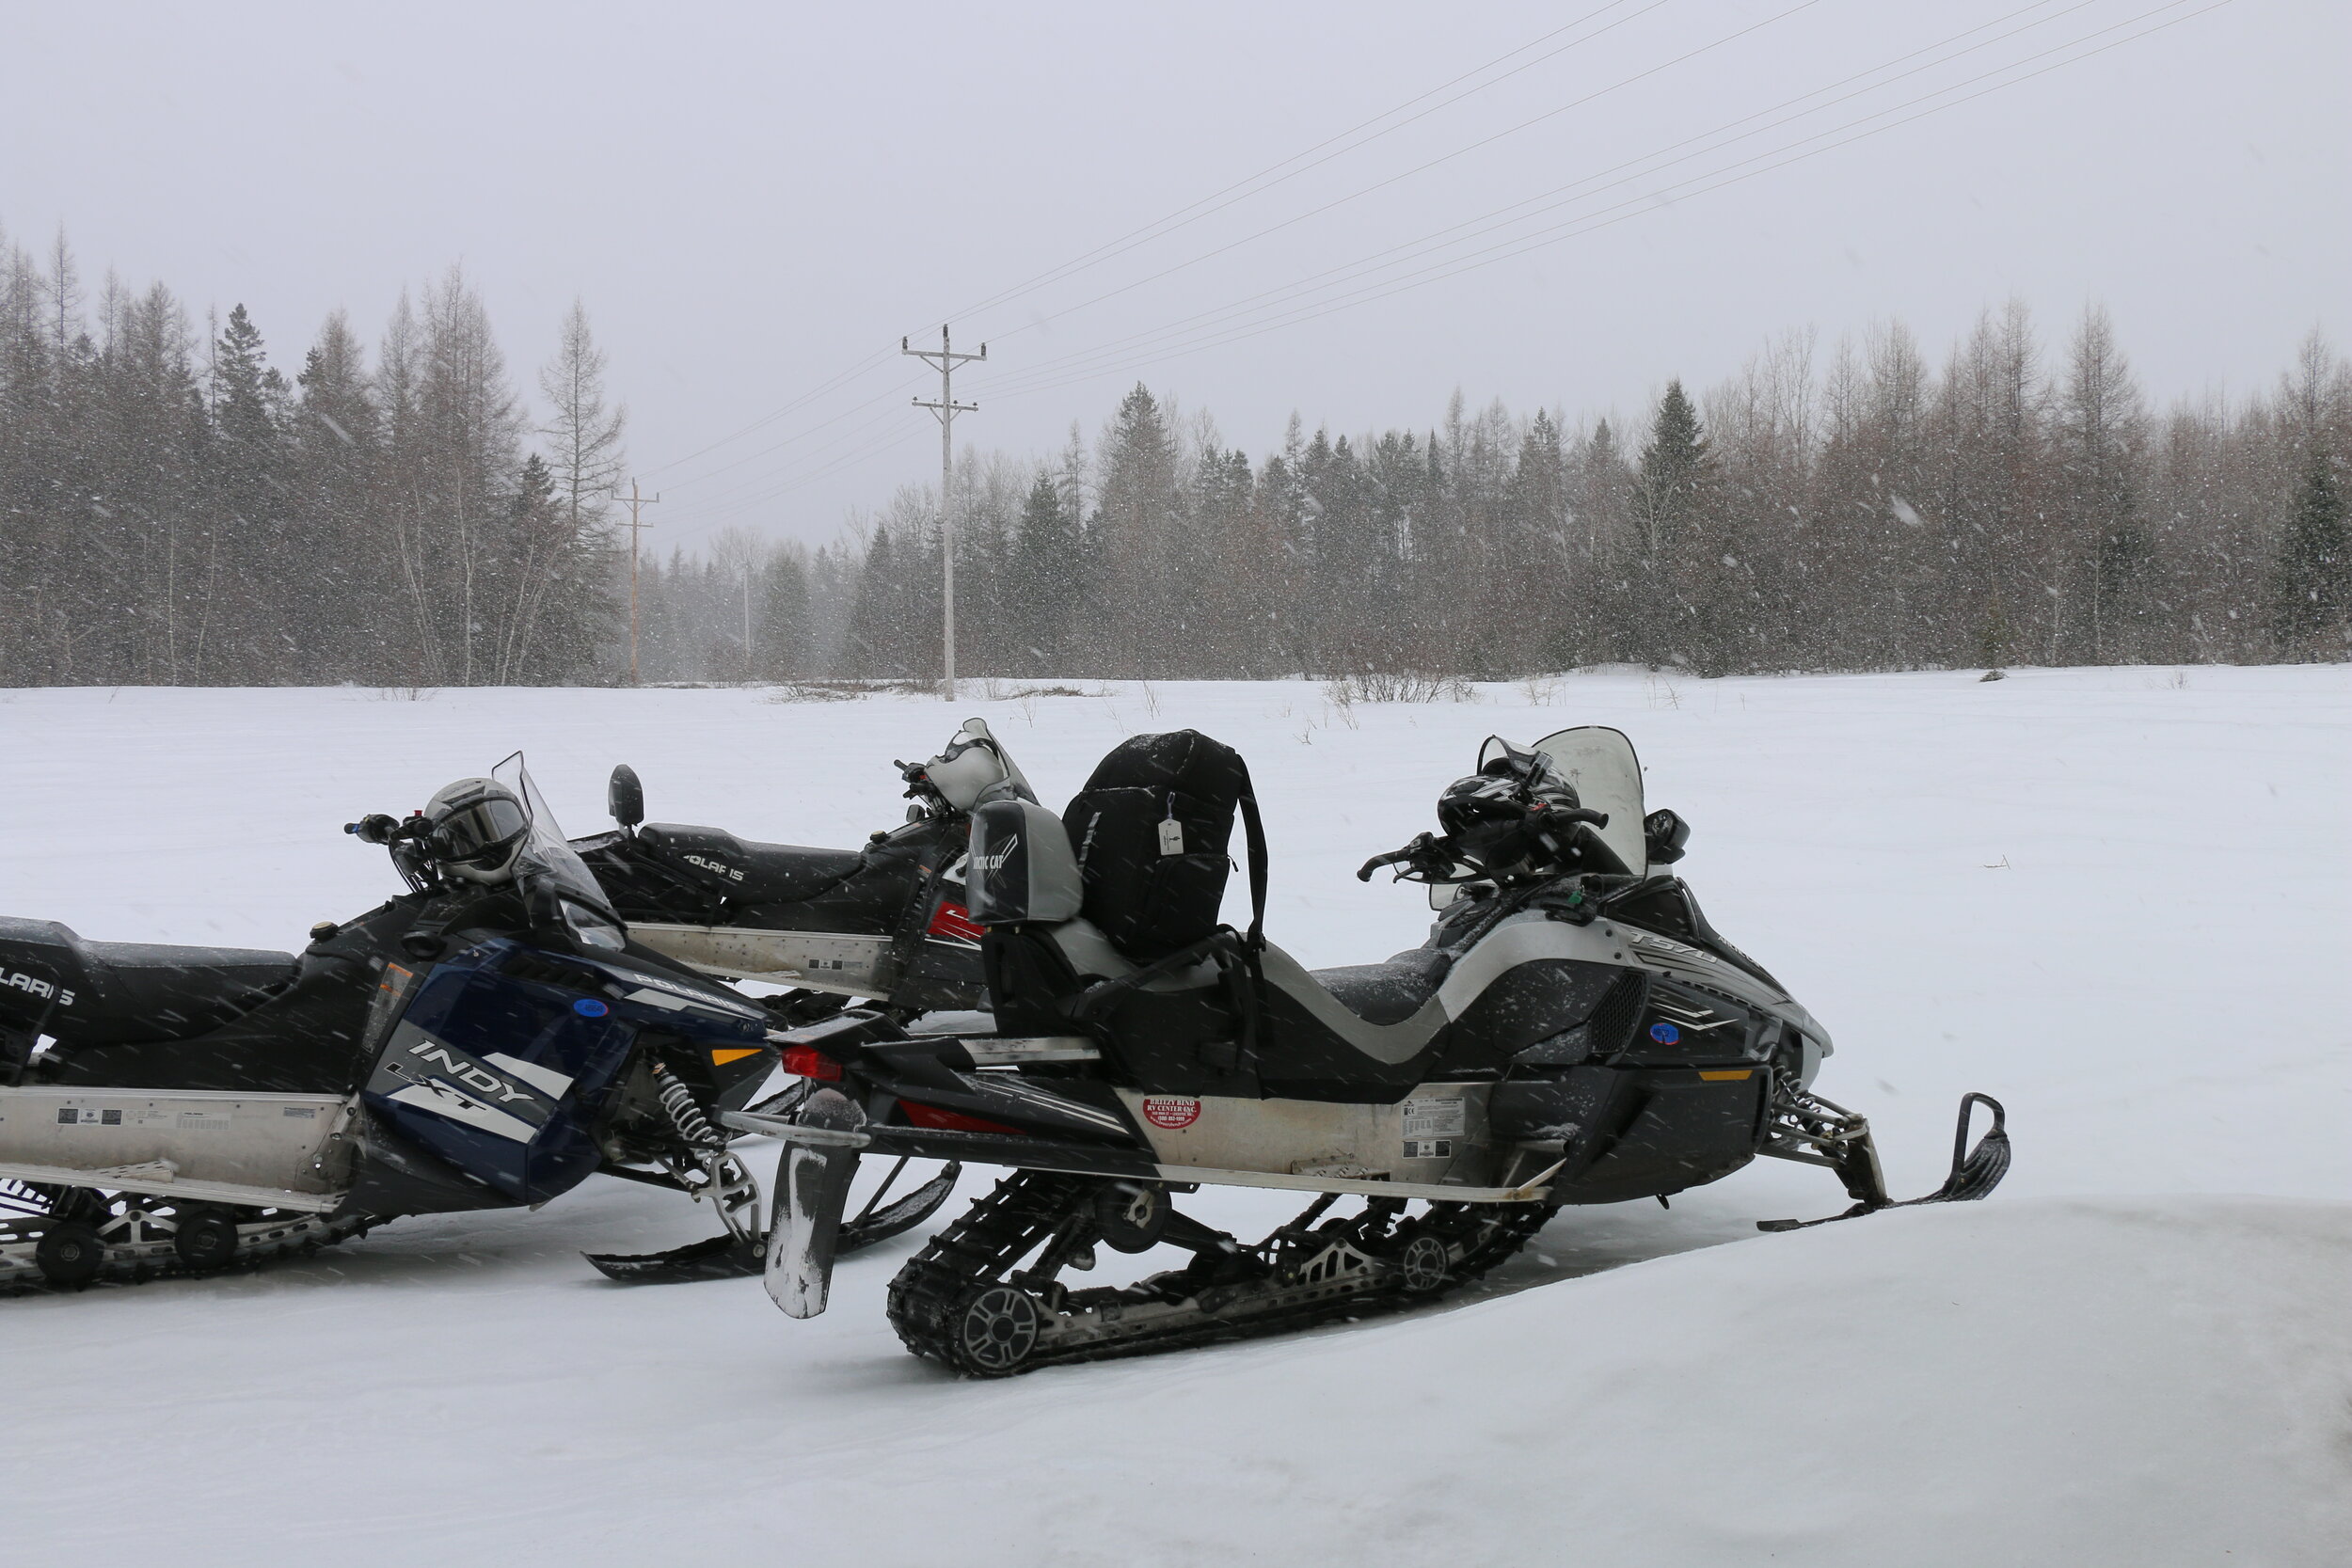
x=1215, y=201
x=1553, y=113
x=1638, y=204
x=1044, y=370
x=1192, y=212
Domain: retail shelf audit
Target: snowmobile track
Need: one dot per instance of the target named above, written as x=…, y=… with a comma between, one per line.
x=139, y=1242
x=933, y=1295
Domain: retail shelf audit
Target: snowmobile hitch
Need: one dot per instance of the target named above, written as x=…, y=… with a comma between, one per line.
x=1814, y=1132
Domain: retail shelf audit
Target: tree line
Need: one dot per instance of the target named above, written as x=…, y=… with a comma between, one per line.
x=177, y=509
x=1854, y=510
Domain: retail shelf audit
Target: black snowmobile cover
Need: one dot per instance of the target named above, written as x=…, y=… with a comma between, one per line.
x=1150, y=830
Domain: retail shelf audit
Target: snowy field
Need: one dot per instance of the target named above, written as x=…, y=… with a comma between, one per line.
x=2117, y=899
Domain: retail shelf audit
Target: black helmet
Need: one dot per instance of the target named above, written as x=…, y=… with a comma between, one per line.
x=1493, y=818
x=478, y=826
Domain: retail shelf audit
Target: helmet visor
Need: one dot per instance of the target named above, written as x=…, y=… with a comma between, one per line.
x=483, y=832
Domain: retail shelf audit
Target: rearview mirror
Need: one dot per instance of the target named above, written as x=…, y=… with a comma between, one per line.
x=624, y=797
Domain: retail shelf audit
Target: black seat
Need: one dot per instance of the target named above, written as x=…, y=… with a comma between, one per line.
x=106, y=992
x=1388, y=992
x=739, y=869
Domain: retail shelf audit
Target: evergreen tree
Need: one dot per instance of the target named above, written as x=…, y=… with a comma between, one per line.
x=1671, y=581
x=1045, y=581
x=2314, y=565
x=782, y=642
x=1674, y=468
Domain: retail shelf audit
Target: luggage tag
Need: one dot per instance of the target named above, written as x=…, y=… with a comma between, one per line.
x=1171, y=832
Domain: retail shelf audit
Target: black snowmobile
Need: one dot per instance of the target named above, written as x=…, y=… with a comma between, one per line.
x=487, y=1039
x=1572, y=1032
x=886, y=922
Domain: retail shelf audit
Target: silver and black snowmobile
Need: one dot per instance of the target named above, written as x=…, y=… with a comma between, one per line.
x=487, y=1039
x=1572, y=1032
x=886, y=922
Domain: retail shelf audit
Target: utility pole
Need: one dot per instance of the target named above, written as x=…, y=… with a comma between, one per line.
x=634, y=502
x=946, y=408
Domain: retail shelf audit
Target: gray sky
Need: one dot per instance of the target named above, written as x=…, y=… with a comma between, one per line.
x=754, y=200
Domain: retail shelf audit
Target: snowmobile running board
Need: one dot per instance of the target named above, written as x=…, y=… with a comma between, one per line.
x=157, y=1180
x=1077, y=1160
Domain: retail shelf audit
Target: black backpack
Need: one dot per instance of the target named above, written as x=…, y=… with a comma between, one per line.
x=1151, y=831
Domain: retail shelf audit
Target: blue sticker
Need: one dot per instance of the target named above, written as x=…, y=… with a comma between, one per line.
x=588, y=1007
x=1664, y=1033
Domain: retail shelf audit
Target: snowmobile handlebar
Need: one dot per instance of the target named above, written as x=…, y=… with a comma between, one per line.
x=1431, y=859
x=376, y=828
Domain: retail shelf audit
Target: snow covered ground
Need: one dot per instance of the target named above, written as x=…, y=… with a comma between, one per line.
x=2115, y=899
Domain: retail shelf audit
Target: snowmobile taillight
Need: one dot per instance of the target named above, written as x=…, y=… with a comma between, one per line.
x=942, y=1120
x=806, y=1061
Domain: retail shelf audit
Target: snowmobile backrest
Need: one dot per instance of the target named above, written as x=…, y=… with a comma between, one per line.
x=1022, y=871
x=1152, y=829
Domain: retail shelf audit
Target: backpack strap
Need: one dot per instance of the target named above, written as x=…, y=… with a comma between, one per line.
x=1257, y=860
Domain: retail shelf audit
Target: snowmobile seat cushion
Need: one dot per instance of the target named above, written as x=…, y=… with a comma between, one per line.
x=1150, y=830
x=1388, y=992
x=742, y=869
x=106, y=993
x=1022, y=870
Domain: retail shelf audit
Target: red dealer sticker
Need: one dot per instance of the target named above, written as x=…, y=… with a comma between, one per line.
x=1170, y=1110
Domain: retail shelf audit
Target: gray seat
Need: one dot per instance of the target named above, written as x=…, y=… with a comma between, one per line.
x=1388, y=992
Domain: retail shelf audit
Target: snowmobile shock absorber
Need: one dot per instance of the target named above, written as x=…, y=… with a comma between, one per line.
x=733, y=1191
x=678, y=1101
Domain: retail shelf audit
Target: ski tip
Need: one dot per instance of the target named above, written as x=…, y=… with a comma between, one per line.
x=720, y=1257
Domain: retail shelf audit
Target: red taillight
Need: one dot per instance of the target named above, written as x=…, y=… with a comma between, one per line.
x=806, y=1061
x=921, y=1114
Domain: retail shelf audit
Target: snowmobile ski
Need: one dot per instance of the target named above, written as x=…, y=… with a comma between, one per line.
x=1847, y=1149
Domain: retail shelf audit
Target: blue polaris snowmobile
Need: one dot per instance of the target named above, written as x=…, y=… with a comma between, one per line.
x=487, y=1039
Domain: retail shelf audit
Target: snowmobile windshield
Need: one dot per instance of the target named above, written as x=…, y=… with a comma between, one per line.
x=1601, y=763
x=550, y=868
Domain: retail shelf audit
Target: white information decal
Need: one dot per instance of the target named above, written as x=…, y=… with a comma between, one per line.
x=1435, y=1119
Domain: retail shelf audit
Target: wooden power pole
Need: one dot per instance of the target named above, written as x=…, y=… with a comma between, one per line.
x=634, y=502
x=946, y=408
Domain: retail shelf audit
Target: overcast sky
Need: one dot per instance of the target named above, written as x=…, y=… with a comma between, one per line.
x=757, y=200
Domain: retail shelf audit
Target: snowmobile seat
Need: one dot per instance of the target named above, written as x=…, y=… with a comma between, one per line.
x=107, y=992
x=742, y=869
x=1388, y=992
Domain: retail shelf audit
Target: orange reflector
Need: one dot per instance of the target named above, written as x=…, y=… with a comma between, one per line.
x=721, y=1058
x=1728, y=1077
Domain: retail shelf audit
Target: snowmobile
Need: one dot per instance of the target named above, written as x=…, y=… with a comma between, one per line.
x=886, y=922
x=1573, y=1031
x=487, y=1039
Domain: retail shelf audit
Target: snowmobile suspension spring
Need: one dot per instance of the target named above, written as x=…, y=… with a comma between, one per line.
x=685, y=1115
